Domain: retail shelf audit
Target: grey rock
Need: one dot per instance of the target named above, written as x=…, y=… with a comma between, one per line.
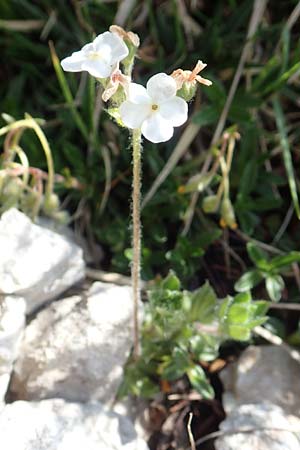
x=282, y=434
x=76, y=348
x=58, y=425
x=35, y=262
x=265, y=373
x=12, y=325
x=90, y=255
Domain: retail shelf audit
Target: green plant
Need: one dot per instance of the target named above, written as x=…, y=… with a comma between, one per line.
x=269, y=270
x=152, y=112
x=183, y=328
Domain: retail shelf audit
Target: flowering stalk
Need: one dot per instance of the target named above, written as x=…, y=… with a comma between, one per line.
x=152, y=111
x=136, y=234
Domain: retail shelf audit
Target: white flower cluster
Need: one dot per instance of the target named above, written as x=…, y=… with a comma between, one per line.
x=156, y=109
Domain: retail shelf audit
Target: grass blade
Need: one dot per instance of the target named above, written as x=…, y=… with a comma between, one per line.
x=286, y=151
x=66, y=92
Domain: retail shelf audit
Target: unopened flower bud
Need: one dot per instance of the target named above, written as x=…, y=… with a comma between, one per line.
x=51, y=203
x=61, y=217
x=227, y=215
x=29, y=201
x=11, y=190
x=186, y=81
x=198, y=183
x=188, y=91
x=210, y=204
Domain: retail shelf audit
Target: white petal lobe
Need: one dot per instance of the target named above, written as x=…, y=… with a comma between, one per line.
x=161, y=87
x=118, y=48
x=73, y=63
x=157, y=129
x=175, y=110
x=133, y=115
x=97, y=68
x=87, y=48
x=138, y=94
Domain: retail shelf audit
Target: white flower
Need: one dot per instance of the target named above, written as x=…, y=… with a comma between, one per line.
x=100, y=58
x=155, y=109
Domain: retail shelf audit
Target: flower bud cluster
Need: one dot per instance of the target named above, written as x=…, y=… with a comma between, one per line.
x=15, y=193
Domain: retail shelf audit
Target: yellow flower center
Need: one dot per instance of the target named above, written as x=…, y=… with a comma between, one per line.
x=154, y=107
x=94, y=56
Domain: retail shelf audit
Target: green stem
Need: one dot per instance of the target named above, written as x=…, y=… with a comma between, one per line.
x=42, y=138
x=136, y=234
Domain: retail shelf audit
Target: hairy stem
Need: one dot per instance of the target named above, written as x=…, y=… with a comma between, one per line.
x=136, y=234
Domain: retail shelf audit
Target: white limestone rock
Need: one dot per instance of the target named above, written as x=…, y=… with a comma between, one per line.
x=90, y=255
x=283, y=433
x=12, y=325
x=35, y=262
x=76, y=348
x=264, y=373
x=57, y=425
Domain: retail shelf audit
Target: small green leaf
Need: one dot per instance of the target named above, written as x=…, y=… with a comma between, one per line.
x=275, y=286
x=199, y=381
x=238, y=314
x=248, y=280
x=239, y=332
x=257, y=256
x=284, y=260
x=175, y=365
x=259, y=308
x=204, y=347
x=171, y=282
x=203, y=304
x=242, y=298
x=224, y=307
x=241, y=316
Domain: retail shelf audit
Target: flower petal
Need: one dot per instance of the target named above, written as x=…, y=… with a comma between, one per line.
x=202, y=80
x=138, y=94
x=133, y=114
x=110, y=90
x=97, y=68
x=161, y=87
x=87, y=48
x=157, y=129
x=74, y=62
x=175, y=110
x=118, y=49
